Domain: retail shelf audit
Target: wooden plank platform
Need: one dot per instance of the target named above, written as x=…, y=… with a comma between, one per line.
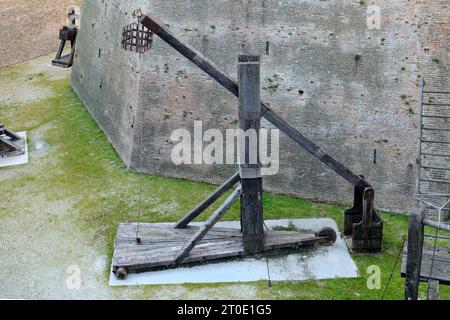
x=63, y=62
x=441, y=266
x=160, y=244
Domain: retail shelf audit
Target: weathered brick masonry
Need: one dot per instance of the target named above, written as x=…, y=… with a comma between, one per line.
x=29, y=28
x=359, y=85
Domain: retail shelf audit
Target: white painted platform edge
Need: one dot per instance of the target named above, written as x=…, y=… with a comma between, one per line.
x=17, y=160
x=314, y=263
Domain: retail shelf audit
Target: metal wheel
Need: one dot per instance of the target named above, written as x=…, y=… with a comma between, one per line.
x=330, y=233
x=121, y=273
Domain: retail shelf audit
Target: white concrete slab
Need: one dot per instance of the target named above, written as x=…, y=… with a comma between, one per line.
x=18, y=160
x=318, y=262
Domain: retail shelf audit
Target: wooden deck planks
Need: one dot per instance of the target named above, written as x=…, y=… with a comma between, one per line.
x=160, y=245
x=441, y=266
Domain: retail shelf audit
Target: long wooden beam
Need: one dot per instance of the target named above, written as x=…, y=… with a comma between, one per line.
x=435, y=224
x=208, y=201
x=158, y=28
x=9, y=144
x=215, y=217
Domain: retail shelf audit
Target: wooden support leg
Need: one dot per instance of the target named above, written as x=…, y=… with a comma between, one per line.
x=60, y=49
x=72, y=51
x=433, y=289
x=414, y=258
x=252, y=221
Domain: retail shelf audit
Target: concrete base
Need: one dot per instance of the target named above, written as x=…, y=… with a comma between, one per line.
x=17, y=160
x=313, y=263
x=349, y=243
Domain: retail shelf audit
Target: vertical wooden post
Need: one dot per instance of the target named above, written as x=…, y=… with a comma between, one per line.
x=414, y=257
x=367, y=217
x=252, y=220
x=353, y=215
x=59, y=53
x=433, y=289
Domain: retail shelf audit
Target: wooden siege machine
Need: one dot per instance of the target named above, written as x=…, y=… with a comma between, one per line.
x=146, y=247
x=67, y=33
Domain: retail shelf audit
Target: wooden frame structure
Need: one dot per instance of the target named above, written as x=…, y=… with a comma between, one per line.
x=186, y=243
x=363, y=224
x=11, y=144
x=422, y=263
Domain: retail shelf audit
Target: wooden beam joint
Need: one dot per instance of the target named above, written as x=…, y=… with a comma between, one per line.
x=183, y=223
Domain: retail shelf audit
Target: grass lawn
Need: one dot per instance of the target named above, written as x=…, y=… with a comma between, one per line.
x=75, y=191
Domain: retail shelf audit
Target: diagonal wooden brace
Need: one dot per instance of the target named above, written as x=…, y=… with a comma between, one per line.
x=8, y=144
x=215, y=217
x=183, y=223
